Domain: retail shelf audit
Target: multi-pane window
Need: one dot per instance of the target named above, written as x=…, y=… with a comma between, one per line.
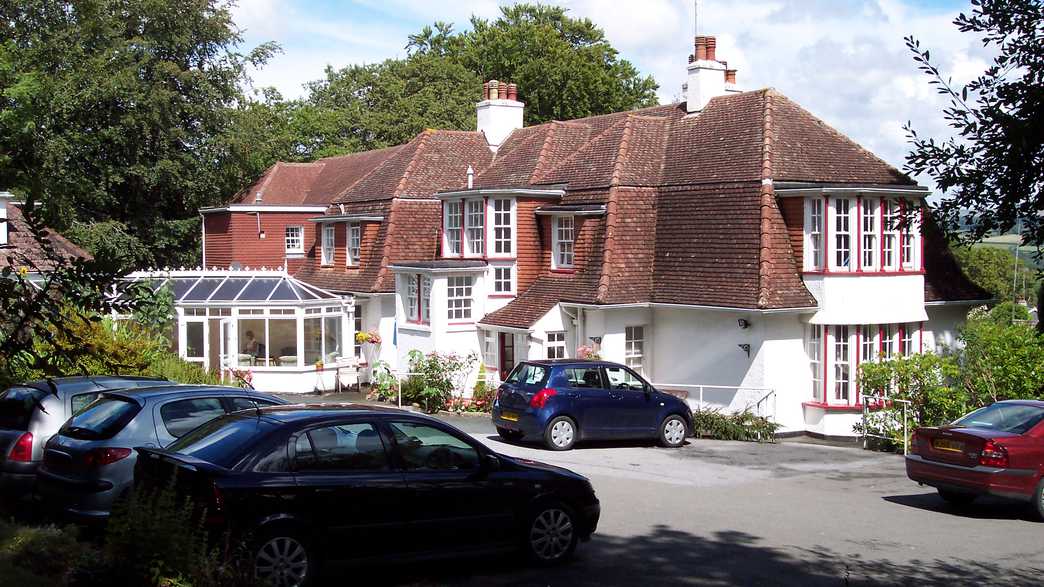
x=815, y=359
x=887, y=341
x=890, y=234
x=328, y=244
x=502, y=281
x=556, y=348
x=475, y=221
x=295, y=239
x=412, y=298
x=906, y=248
x=458, y=293
x=906, y=339
x=842, y=233
x=354, y=243
x=565, y=233
x=814, y=257
x=489, y=350
x=502, y=226
x=634, y=347
x=841, y=363
x=869, y=235
x=454, y=222
x=868, y=343
x=357, y=346
x=425, y=299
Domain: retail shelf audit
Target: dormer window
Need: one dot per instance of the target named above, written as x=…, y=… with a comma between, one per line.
x=354, y=243
x=814, y=234
x=454, y=225
x=295, y=239
x=464, y=228
x=564, y=232
x=328, y=244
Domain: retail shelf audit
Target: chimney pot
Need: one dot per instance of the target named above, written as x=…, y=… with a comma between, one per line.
x=512, y=92
x=701, y=48
x=485, y=91
x=712, y=45
x=503, y=89
x=730, y=76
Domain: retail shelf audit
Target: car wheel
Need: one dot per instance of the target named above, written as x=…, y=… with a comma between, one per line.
x=552, y=534
x=560, y=433
x=956, y=497
x=673, y=431
x=1038, y=499
x=509, y=435
x=283, y=559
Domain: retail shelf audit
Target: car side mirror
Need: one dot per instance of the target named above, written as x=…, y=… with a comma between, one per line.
x=491, y=463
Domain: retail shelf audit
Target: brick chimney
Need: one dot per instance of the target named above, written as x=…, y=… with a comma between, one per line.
x=499, y=112
x=708, y=77
x=5, y=199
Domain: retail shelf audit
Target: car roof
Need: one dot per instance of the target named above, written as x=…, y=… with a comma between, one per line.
x=1024, y=402
x=76, y=382
x=323, y=412
x=159, y=391
x=571, y=362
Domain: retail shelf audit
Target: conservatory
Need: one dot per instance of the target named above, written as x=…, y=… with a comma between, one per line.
x=281, y=333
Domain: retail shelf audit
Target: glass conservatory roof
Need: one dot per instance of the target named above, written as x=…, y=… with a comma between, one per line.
x=234, y=287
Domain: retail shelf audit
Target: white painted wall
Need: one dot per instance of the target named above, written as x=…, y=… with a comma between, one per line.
x=940, y=332
x=497, y=118
x=867, y=299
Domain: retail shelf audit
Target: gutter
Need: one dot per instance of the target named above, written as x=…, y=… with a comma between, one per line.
x=960, y=302
x=647, y=305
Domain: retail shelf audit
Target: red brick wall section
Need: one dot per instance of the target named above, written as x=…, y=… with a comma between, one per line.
x=793, y=210
x=233, y=237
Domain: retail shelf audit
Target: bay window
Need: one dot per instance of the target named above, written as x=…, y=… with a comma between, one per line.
x=814, y=234
x=503, y=238
x=458, y=297
x=815, y=359
x=354, y=243
x=475, y=220
x=869, y=230
x=425, y=299
x=889, y=235
x=412, y=298
x=563, y=229
x=328, y=244
x=841, y=364
x=868, y=343
x=909, y=240
x=842, y=234
x=887, y=334
x=454, y=223
x=906, y=339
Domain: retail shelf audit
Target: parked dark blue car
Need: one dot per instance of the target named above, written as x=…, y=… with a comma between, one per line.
x=566, y=401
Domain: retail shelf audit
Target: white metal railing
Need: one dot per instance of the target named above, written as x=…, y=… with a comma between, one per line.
x=882, y=400
x=730, y=398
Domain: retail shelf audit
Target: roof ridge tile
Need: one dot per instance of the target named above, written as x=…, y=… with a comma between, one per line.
x=421, y=144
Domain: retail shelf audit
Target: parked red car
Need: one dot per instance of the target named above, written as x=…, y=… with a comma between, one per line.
x=997, y=450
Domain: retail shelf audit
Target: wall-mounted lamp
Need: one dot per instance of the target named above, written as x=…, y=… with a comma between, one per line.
x=745, y=348
x=743, y=323
x=595, y=339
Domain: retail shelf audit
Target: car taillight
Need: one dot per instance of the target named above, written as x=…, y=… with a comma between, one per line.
x=540, y=399
x=22, y=451
x=993, y=455
x=99, y=457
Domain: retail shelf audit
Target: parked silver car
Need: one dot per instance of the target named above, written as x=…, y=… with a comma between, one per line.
x=90, y=462
x=30, y=413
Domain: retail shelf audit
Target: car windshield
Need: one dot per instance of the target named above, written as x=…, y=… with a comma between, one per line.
x=102, y=419
x=17, y=405
x=1014, y=418
x=223, y=439
x=527, y=374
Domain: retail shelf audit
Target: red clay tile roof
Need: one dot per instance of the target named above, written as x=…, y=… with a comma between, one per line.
x=283, y=184
x=944, y=281
x=22, y=249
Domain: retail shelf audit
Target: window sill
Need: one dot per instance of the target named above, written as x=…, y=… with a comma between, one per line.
x=834, y=273
x=833, y=407
x=502, y=296
x=565, y=270
x=295, y=254
x=416, y=327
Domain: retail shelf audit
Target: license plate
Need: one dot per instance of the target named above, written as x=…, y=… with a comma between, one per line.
x=948, y=445
x=509, y=416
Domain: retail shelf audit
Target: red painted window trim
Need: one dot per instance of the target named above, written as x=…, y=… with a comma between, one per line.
x=420, y=304
x=826, y=236
x=859, y=235
x=834, y=407
x=502, y=296
x=857, y=273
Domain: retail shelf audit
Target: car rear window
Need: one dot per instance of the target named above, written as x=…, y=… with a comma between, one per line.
x=102, y=419
x=17, y=405
x=223, y=440
x=1014, y=418
x=528, y=374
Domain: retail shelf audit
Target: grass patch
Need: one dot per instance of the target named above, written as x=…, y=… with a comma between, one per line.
x=38, y=555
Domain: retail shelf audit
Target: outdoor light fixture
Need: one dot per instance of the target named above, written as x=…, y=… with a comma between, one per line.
x=595, y=339
x=745, y=348
x=743, y=323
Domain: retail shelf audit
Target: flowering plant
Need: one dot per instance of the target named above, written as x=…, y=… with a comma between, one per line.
x=585, y=352
x=319, y=365
x=244, y=376
x=371, y=337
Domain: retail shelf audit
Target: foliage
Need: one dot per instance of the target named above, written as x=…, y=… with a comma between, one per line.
x=154, y=310
x=991, y=168
x=383, y=383
x=743, y=425
x=1007, y=313
x=922, y=379
x=442, y=373
x=111, y=242
x=1001, y=361
x=42, y=551
x=372, y=337
x=995, y=270
x=116, y=110
x=587, y=353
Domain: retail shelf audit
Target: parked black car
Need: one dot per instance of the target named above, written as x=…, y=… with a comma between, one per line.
x=305, y=484
x=31, y=412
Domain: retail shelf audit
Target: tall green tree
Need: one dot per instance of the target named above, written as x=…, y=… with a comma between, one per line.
x=992, y=169
x=110, y=110
x=996, y=270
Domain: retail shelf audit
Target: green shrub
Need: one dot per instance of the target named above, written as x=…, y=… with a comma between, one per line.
x=172, y=367
x=441, y=375
x=44, y=551
x=743, y=425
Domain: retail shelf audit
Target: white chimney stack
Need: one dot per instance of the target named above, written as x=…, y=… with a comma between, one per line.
x=708, y=77
x=499, y=112
x=5, y=199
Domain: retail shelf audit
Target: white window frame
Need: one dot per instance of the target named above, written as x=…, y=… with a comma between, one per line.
x=499, y=282
x=635, y=338
x=906, y=339
x=814, y=223
x=425, y=299
x=474, y=227
x=501, y=246
x=888, y=343
x=490, y=350
x=453, y=228
x=328, y=243
x=869, y=243
x=459, y=301
x=563, y=237
x=412, y=297
x=868, y=345
x=910, y=238
x=843, y=364
x=556, y=344
x=842, y=233
x=890, y=235
x=294, y=243
x=354, y=244
x=815, y=360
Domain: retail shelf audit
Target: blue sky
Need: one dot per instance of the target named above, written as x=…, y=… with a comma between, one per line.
x=844, y=60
